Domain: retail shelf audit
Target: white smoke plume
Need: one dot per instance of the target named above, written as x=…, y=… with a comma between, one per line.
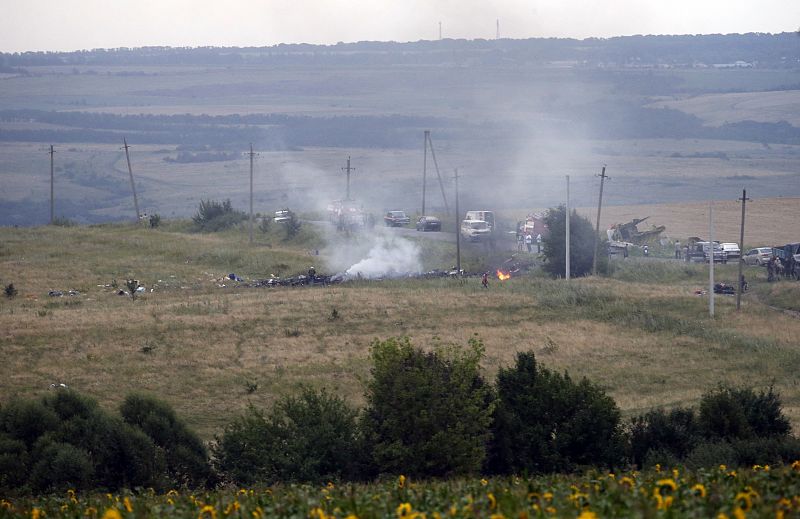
x=387, y=256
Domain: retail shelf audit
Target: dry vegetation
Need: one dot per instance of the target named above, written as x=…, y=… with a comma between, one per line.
x=204, y=348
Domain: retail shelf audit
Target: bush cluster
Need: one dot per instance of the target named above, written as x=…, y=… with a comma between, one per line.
x=428, y=413
x=65, y=440
x=213, y=216
x=732, y=426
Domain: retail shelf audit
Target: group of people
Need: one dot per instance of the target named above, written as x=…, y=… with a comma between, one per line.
x=527, y=239
x=777, y=268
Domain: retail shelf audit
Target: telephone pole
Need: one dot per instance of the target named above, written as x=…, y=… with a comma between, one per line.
x=439, y=176
x=130, y=173
x=602, y=176
x=567, y=238
x=458, y=231
x=440, y=30
x=744, y=200
x=251, y=192
x=52, y=181
x=425, y=169
x=348, y=169
x=710, y=259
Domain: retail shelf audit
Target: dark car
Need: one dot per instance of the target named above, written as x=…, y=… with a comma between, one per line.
x=396, y=219
x=429, y=223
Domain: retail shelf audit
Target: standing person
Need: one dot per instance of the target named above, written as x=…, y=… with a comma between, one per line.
x=485, y=280
x=529, y=242
x=646, y=251
x=771, y=269
x=677, y=249
x=538, y=243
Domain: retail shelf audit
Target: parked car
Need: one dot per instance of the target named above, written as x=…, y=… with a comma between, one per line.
x=732, y=249
x=758, y=256
x=396, y=219
x=429, y=223
x=475, y=230
x=701, y=252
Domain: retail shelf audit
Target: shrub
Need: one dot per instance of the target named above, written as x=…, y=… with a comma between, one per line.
x=660, y=436
x=292, y=225
x=545, y=422
x=308, y=438
x=185, y=455
x=60, y=466
x=213, y=216
x=427, y=413
x=729, y=413
x=155, y=220
x=581, y=242
x=67, y=440
x=10, y=290
x=13, y=463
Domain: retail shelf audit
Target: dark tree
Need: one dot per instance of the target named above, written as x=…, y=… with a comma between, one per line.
x=581, y=243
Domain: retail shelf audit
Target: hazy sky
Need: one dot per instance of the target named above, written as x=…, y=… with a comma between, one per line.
x=87, y=24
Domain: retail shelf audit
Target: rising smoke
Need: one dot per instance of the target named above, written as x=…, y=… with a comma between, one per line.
x=375, y=254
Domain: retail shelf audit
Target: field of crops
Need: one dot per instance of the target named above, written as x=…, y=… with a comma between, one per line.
x=716, y=492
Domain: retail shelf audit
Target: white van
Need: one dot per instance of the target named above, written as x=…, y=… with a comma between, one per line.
x=486, y=216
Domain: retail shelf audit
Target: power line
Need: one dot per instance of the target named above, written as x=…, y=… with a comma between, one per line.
x=744, y=201
x=602, y=176
x=348, y=169
x=52, y=152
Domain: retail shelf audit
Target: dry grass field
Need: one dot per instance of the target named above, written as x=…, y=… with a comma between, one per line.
x=643, y=334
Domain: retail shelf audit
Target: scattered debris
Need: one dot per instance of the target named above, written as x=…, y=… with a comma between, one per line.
x=60, y=385
x=629, y=232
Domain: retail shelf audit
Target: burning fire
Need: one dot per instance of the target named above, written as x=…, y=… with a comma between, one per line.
x=502, y=276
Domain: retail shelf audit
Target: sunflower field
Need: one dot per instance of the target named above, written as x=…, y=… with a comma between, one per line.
x=758, y=492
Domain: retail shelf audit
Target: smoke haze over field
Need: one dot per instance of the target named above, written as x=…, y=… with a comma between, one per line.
x=373, y=254
x=87, y=24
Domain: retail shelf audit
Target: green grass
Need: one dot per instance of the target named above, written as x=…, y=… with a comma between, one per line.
x=642, y=334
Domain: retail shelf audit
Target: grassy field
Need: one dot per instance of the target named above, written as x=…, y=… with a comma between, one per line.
x=642, y=334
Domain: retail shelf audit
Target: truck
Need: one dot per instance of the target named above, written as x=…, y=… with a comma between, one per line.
x=486, y=216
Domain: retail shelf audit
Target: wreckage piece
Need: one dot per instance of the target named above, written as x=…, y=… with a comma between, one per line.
x=629, y=232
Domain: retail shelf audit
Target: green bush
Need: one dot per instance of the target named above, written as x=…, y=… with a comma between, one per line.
x=663, y=436
x=307, y=438
x=185, y=455
x=13, y=463
x=427, y=413
x=68, y=441
x=545, y=422
x=728, y=413
x=581, y=238
x=61, y=466
x=213, y=216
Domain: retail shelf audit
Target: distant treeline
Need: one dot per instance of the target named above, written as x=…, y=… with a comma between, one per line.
x=614, y=120
x=778, y=50
x=272, y=131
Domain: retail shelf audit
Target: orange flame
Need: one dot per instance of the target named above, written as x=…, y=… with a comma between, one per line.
x=502, y=276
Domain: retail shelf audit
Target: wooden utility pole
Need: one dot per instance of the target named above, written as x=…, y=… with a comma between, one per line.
x=744, y=200
x=458, y=231
x=348, y=169
x=597, y=224
x=52, y=181
x=133, y=186
x=425, y=169
x=566, y=275
x=251, y=192
x=710, y=259
x=439, y=176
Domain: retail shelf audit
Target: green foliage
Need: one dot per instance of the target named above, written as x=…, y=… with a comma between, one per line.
x=545, y=422
x=309, y=437
x=428, y=413
x=661, y=436
x=581, y=243
x=185, y=455
x=155, y=220
x=65, y=440
x=265, y=224
x=292, y=225
x=728, y=413
x=213, y=216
